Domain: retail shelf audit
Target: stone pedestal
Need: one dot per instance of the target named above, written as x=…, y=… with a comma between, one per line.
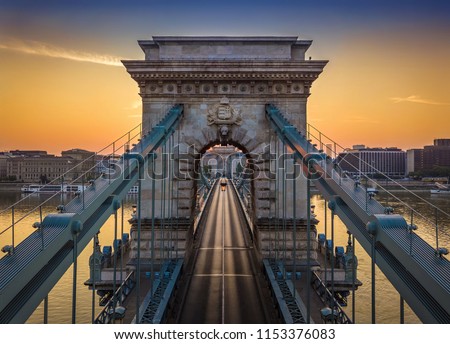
x=275, y=239
x=170, y=240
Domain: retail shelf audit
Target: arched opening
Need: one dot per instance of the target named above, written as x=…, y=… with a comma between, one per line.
x=223, y=285
x=230, y=166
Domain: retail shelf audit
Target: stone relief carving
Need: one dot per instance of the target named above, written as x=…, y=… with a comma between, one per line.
x=244, y=88
x=224, y=114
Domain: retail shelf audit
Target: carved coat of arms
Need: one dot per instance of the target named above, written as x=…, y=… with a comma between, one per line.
x=224, y=114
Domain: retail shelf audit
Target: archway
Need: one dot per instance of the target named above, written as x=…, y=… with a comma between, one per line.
x=224, y=84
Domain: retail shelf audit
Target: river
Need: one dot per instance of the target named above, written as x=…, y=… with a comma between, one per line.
x=387, y=299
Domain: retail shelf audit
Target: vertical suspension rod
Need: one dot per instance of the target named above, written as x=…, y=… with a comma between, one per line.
x=74, y=281
x=402, y=310
x=332, y=261
x=437, y=228
x=121, y=246
x=12, y=227
x=138, y=262
x=46, y=309
x=93, y=279
x=170, y=194
x=277, y=199
x=284, y=210
x=177, y=173
x=308, y=249
x=294, y=226
x=163, y=202
x=270, y=203
x=115, y=268
x=326, y=236
x=353, y=281
x=152, y=245
x=373, y=281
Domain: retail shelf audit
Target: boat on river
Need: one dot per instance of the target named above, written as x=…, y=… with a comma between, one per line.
x=51, y=188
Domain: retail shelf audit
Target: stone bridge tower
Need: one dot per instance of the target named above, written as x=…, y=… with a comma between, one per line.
x=224, y=84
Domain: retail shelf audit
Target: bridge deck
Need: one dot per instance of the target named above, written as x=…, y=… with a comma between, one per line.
x=422, y=253
x=26, y=252
x=224, y=284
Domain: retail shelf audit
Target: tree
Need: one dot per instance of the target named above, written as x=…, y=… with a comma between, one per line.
x=43, y=178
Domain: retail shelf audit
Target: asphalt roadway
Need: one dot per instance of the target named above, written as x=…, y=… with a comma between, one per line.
x=223, y=287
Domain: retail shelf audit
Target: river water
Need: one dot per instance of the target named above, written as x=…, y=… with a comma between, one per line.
x=60, y=297
x=387, y=299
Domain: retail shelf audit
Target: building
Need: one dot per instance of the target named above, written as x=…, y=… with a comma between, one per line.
x=414, y=158
x=27, y=153
x=429, y=157
x=373, y=161
x=222, y=160
x=41, y=167
x=3, y=166
x=37, y=169
x=437, y=155
x=84, y=161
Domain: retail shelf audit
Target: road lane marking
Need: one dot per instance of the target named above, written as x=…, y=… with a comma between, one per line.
x=226, y=248
x=223, y=258
x=220, y=275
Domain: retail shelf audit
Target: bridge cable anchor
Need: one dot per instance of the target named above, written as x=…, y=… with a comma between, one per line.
x=412, y=227
x=8, y=249
x=388, y=210
x=441, y=251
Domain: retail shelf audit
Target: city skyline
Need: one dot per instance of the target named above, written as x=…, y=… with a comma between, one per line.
x=62, y=84
x=57, y=152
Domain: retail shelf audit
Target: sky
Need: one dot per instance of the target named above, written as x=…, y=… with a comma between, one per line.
x=62, y=85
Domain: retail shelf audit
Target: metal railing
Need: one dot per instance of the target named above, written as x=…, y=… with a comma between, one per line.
x=99, y=164
x=320, y=141
x=325, y=295
x=107, y=313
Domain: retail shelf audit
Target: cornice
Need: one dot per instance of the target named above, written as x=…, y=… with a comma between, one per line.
x=229, y=64
x=223, y=76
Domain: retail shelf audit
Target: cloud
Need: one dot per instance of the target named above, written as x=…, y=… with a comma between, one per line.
x=135, y=105
x=45, y=49
x=416, y=99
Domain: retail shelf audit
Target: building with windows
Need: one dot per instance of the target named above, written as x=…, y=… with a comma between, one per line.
x=3, y=169
x=429, y=157
x=437, y=155
x=84, y=160
x=373, y=161
x=41, y=167
x=414, y=158
x=222, y=160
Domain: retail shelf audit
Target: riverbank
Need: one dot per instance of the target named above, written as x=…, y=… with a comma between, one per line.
x=8, y=186
x=397, y=186
x=401, y=185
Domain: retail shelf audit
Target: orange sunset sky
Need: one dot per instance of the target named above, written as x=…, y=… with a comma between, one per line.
x=62, y=85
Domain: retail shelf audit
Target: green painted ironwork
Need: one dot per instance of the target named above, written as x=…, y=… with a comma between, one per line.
x=28, y=275
x=423, y=279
